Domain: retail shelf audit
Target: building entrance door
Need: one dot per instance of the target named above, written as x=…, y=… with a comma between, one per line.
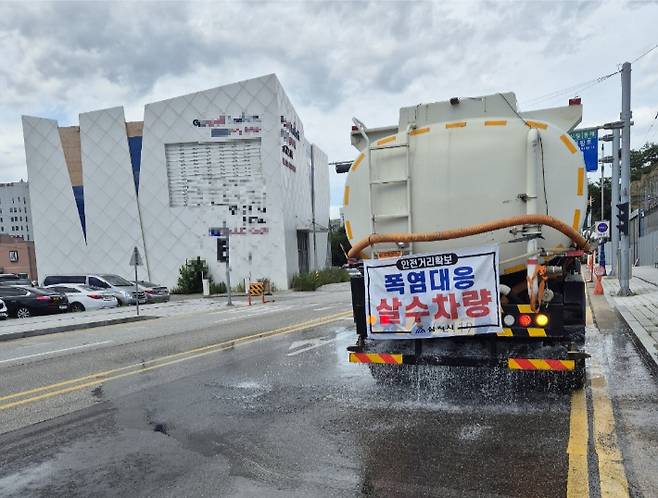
x=302, y=250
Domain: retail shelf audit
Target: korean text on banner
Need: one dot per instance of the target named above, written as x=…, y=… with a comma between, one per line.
x=433, y=295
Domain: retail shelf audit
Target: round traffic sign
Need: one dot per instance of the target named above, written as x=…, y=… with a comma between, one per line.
x=602, y=227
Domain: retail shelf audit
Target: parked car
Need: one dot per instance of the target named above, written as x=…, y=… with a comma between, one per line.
x=23, y=302
x=154, y=293
x=13, y=279
x=3, y=310
x=82, y=297
x=118, y=286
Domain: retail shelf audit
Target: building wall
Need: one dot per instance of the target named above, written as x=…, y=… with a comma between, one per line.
x=17, y=256
x=15, y=215
x=175, y=233
x=197, y=161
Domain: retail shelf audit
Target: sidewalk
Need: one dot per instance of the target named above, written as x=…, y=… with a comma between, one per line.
x=641, y=310
x=48, y=324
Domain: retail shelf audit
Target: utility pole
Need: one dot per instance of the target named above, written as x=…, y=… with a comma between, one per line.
x=315, y=252
x=226, y=233
x=614, y=232
x=625, y=116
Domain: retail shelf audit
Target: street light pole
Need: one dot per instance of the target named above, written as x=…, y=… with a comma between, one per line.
x=625, y=116
x=602, y=186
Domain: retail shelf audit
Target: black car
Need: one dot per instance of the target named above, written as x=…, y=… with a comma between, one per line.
x=13, y=279
x=23, y=302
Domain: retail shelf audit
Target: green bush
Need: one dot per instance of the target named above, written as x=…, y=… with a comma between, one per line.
x=310, y=281
x=190, y=278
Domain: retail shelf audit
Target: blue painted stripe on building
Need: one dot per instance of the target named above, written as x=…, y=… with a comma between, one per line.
x=79, y=194
x=135, y=147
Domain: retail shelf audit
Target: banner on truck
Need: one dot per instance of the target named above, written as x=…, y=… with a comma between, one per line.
x=433, y=295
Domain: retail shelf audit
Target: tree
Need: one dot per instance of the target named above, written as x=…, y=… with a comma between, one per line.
x=595, y=195
x=339, y=246
x=643, y=160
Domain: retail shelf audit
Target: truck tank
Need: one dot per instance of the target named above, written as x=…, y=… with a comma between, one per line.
x=463, y=162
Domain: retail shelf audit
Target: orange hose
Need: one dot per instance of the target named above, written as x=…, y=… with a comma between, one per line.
x=457, y=233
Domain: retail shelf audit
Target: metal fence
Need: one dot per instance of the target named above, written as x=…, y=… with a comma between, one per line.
x=646, y=253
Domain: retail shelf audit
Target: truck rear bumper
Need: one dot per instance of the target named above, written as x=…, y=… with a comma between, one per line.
x=546, y=364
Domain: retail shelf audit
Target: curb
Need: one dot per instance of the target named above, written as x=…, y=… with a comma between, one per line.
x=76, y=326
x=643, y=339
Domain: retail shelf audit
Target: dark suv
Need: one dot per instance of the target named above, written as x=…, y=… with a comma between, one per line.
x=23, y=302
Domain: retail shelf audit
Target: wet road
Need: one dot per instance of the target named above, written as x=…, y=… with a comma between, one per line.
x=286, y=415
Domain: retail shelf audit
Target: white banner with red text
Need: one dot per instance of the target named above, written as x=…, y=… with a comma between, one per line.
x=422, y=296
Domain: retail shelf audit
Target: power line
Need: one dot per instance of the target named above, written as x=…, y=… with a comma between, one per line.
x=585, y=85
x=646, y=138
x=574, y=89
x=645, y=53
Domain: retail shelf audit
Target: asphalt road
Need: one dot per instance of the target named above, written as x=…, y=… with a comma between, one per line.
x=178, y=407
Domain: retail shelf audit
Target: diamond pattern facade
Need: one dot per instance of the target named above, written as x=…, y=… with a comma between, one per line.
x=208, y=135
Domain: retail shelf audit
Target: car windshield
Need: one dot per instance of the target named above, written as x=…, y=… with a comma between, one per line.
x=116, y=280
x=144, y=283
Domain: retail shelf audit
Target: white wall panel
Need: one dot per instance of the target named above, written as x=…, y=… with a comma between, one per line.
x=113, y=224
x=58, y=237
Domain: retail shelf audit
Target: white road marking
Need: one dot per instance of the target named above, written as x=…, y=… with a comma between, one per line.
x=314, y=343
x=55, y=351
x=323, y=308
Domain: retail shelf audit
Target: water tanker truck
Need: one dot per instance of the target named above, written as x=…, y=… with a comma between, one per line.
x=465, y=221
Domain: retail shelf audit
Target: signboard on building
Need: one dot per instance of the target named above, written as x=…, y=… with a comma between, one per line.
x=588, y=141
x=433, y=295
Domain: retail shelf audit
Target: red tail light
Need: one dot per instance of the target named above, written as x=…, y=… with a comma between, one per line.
x=43, y=298
x=149, y=291
x=525, y=320
x=95, y=296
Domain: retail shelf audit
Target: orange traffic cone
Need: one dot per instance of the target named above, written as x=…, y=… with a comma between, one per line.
x=598, y=287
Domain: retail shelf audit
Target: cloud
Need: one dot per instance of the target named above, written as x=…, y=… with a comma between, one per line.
x=335, y=59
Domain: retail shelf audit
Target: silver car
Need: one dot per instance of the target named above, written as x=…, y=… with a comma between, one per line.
x=119, y=287
x=154, y=293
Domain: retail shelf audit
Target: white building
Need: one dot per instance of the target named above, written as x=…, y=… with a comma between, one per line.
x=15, y=216
x=235, y=154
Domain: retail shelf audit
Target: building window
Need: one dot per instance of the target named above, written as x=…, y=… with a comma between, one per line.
x=13, y=256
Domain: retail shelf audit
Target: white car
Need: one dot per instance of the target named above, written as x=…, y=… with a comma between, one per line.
x=82, y=297
x=3, y=310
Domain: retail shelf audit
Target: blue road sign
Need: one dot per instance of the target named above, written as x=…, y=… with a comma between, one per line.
x=588, y=141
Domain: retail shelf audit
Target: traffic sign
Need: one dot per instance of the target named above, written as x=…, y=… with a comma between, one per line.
x=136, y=258
x=602, y=228
x=588, y=141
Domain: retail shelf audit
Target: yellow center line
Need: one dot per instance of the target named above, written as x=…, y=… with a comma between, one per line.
x=101, y=377
x=612, y=474
x=578, y=477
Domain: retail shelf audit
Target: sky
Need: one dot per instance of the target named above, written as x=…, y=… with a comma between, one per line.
x=335, y=59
